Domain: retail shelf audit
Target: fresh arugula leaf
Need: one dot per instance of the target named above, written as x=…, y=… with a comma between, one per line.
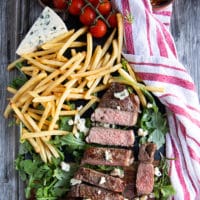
x=155, y=123
x=74, y=143
x=47, y=180
x=19, y=65
x=162, y=185
x=151, y=99
x=157, y=137
x=63, y=123
x=18, y=82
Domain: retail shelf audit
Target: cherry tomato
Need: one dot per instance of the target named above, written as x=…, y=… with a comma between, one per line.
x=99, y=29
x=75, y=6
x=60, y=4
x=87, y=16
x=94, y=2
x=104, y=7
x=112, y=20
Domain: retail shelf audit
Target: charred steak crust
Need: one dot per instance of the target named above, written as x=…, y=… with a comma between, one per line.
x=147, y=152
x=94, y=177
x=107, y=156
x=145, y=179
x=130, y=103
x=110, y=136
x=93, y=193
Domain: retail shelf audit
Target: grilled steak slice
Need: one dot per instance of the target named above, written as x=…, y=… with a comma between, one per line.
x=109, y=100
x=110, y=136
x=114, y=110
x=99, y=179
x=108, y=156
x=114, y=116
x=146, y=152
x=93, y=193
x=145, y=178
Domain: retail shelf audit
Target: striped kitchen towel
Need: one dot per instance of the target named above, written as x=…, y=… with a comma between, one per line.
x=150, y=48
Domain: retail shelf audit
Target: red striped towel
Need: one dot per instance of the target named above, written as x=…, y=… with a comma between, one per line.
x=150, y=48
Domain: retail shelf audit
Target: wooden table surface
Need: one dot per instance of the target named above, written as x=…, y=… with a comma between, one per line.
x=16, y=18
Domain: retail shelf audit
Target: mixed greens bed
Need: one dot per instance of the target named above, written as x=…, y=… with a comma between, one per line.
x=48, y=181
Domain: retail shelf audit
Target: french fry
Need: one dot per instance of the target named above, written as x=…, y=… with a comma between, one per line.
x=27, y=104
x=155, y=89
x=87, y=106
x=42, y=53
x=38, y=64
x=52, y=150
x=88, y=54
x=44, y=115
x=90, y=91
x=59, y=106
x=44, y=98
x=70, y=40
x=63, y=77
x=71, y=61
x=51, y=62
x=13, y=64
x=32, y=141
x=49, y=78
x=106, y=71
x=21, y=117
x=67, y=113
x=27, y=85
x=52, y=45
x=11, y=90
x=96, y=57
x=43, y=134
x=61, y=37
x=120, y=35
x=108, y=42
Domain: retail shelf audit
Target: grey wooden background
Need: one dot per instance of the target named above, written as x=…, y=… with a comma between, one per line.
x=16, y=16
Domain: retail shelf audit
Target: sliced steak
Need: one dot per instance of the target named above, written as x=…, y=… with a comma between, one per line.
x=93, y=193
x=110, y=136
x=108, y=156
x=146, y=152
x=120, y=111
x=99, y=179
x=114, y=116
x=145, y=179
x=109, y=100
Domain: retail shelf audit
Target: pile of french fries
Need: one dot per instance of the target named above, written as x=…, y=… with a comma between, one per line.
x=56, y=79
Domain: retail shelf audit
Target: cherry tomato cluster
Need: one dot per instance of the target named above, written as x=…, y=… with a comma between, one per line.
x=98, y=15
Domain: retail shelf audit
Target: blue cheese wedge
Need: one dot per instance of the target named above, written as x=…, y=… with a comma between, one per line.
x=48, y=26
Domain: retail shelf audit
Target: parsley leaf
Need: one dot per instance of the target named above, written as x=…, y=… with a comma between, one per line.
x=153, y=121
x=73, y=143
x=21, y=80
x=162, y=185
x=46, y=180
x=63, y=123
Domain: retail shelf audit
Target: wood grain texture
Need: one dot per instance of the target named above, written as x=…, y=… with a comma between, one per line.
x=16, y=16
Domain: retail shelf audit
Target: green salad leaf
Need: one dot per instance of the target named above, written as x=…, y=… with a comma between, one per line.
x=162, y=185
x=154, y=122
x=21, y=80
x=45, y=180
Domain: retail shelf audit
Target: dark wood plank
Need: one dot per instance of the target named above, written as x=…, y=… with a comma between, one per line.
x=16, y=16
x=185, y=29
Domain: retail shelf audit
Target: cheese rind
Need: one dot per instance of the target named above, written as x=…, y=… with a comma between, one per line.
x=46, y=27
